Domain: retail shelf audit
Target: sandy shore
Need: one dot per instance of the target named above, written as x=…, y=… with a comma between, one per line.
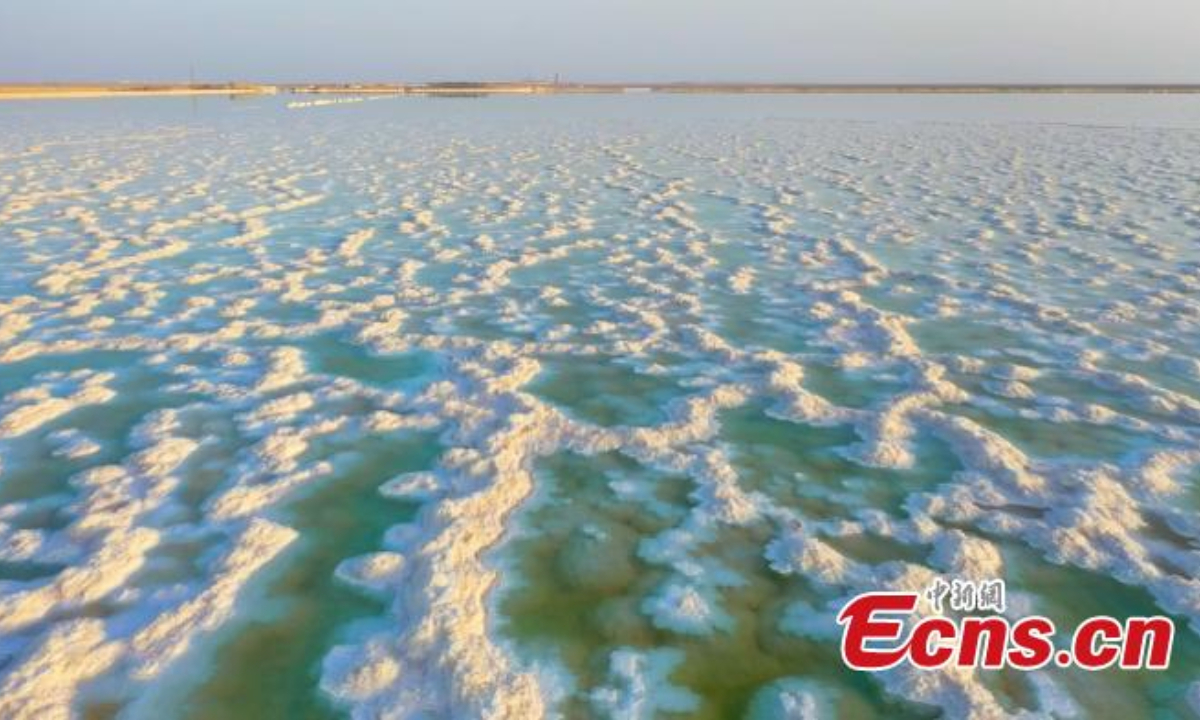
x=51, y=92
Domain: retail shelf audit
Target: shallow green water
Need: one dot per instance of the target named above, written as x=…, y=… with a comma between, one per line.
x=270, y=669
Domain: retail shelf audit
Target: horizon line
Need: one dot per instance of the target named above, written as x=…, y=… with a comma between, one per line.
x=479, y=88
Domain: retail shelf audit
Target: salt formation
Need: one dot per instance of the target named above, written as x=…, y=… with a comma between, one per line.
x=827, y=357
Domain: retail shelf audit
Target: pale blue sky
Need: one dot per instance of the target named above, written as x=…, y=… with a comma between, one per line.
x=798, y=40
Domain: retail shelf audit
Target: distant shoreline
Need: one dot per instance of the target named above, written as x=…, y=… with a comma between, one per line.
x=52, y=91
x=45, y=91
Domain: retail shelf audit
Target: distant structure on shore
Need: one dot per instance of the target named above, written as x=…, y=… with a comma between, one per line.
x=455, y=88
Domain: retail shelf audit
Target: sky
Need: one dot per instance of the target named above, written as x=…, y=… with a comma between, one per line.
x=602, y=40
